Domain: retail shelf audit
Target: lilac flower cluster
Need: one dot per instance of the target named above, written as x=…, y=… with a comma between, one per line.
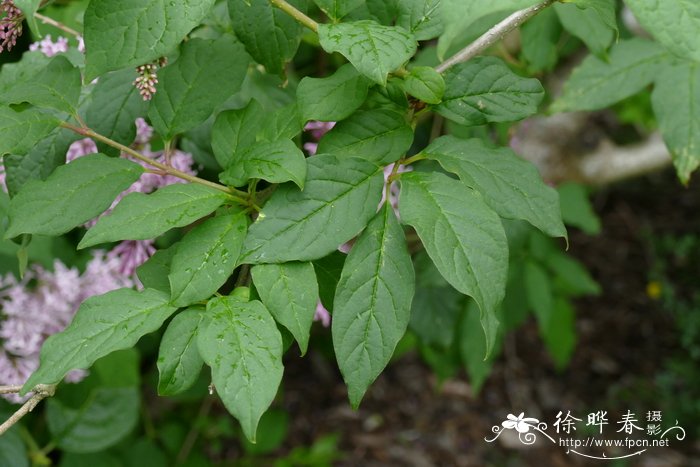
x=10, y=24
x=49, y=47
x=43, y=303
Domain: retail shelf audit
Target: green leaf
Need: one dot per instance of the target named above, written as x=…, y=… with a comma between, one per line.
x=39, y=162
x=676, y=102
x=102, y=420
x=576, y=209
x=632, y=65
x=236, y=130
x=179, y=363
x=675, y=25
x=275, y=162
x=462, y=235
x=241, y=344
x=140, y=217
x=134, y=32
x=102, y=324
x=539, y=38
x=333, y=98
x=57, y=86
x=484, y=90
x=340, y=197
x=206, y=257
x=115, y=104
x=459, y=15
x=205, y=74
x=472, y=347
x=328, y=272
x=377, y=135
x=560, y=336
x=153, y=274
x=436, y=305
x=12, y=449
x=423, y=18
x=572, y=276
x=426, y=84
x=290, y=293
x=588, y=25
x=28, y=8
x=375, y=50
x=72, y=195
x=284, y=123
x=606, y=10
x=270, y=35
x=372, y=303
x=336, y=9
x=22, y=128
x=539, y=293
x=510, y=185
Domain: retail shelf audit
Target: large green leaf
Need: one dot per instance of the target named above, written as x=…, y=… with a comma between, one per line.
x=484, y=90
x=71, y=196
x=676, y=101
x=588, y=25
x=276, y=162
x=423, y=18
x=333, y=98
x=236, y=130
x=595, y=84
x=378, y=135
x=510, y=185
x=372, y=303
x=472, y=346
x=206, y=73
x=270, y=35
x=102, y=324
x=462, y=235
x=336, y=9
x=340, y=197
x=179, y=362
x=105, y=418
x=674, y=23
x=21, y=128
x=140, y=217
x=426, y=84
x=290, y=292
x=39, y=162
x=459, y=15
x=242, y=345
x=115, y=103
x=539, y=293
x=539, y=39
x=134, y=32
x=375, y=50
x=153, y=274
x=57, y=86
x=206, y=257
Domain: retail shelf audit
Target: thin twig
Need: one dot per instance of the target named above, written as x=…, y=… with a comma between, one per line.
x=10, y=389
x=236, y=194
x=493, y=35
x=41, y=392
x=296, y=14
x=56, y=24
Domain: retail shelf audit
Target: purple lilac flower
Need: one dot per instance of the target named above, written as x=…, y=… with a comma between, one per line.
x=132, y=254
x=144, y=132
x=43, y=303
x=10, y=24
x=80, y=148
x=3, y=187
x=322, y=315
x=317, y=130
x=81, y=44
x=50, y=48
